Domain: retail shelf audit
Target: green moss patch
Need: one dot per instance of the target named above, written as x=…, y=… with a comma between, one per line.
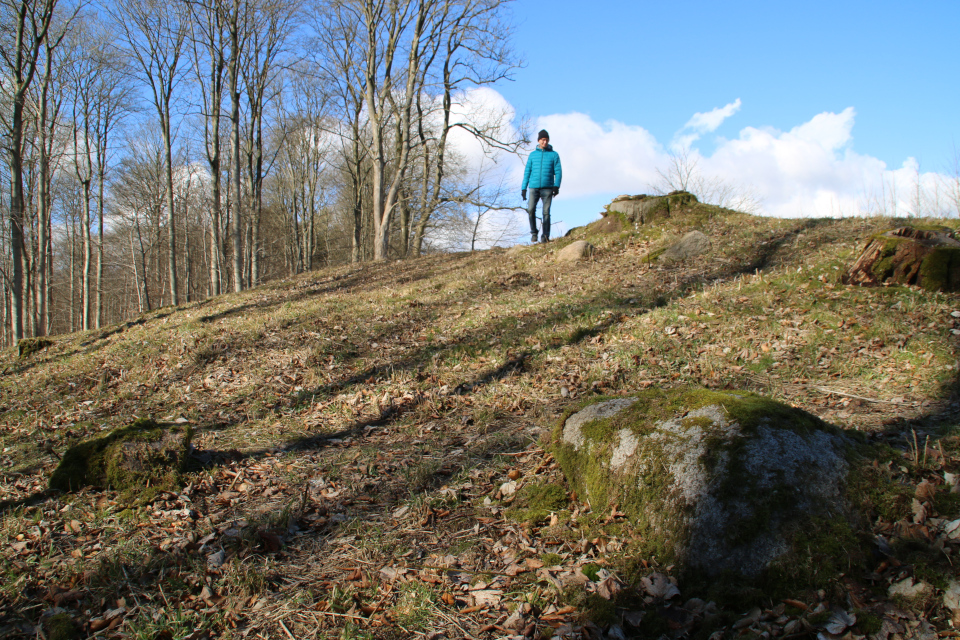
x=144, y=454
x=535, y=502
x=61, y=626
x=940, y=270
x=612, y=222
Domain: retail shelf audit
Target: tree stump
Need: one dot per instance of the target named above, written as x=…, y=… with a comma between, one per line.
x=925, y=257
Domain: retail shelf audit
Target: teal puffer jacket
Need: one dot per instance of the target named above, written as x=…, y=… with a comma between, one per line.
x=543, y=169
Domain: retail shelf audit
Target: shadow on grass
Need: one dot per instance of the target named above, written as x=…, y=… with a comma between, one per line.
x=27, y=501
x=148, y=571
x=87, y=346
x=768, y=250
x=378, y=275
x=514, y=342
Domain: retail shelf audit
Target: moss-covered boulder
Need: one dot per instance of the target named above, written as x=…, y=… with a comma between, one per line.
x=144, y=454
x=644, y=209
x=718, y=482
x=927, y=257
x=26, y=347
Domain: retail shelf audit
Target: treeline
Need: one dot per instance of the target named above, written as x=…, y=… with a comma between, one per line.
x=161, y=151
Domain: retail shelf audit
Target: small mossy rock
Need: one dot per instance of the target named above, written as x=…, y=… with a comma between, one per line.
x=29, y=346
x=644, y=209
x=576, y=251
x=718, y=481
x=910, y=590
x=60, y=626
x=144, y=453
x=928, y=257
x=693, y=244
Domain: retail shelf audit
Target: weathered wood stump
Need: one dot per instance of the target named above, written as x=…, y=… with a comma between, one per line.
x=926, y=257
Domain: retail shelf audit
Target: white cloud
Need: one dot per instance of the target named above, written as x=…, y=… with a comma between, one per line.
x=702, y=123
x=809, y=170
x=484, y=109
x=812, y=170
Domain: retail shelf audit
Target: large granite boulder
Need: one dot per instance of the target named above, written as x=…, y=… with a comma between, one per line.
x=644, y=209
x=719, y=482
x=926, y=257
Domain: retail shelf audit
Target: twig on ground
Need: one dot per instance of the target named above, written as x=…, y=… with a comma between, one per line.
x=517, y=454
x=849, y=395
x=285, y=630
x=235, y=478
x=340, y=615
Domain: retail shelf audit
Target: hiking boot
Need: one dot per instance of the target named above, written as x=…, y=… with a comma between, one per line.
x=533, y=237
x=544, y=238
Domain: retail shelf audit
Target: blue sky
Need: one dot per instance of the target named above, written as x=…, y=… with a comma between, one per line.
x=836, y=92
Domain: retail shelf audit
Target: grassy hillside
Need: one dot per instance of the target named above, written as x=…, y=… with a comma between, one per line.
x=360, y=433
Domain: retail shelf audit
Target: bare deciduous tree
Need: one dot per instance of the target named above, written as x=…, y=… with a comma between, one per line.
x=154, y=32
x=270, y=25
x=682, y=173
x=209, y=38
x=338, y=46
x=24, y=32
x=51, y=101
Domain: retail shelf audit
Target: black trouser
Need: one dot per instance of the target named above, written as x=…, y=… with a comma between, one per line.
x=545, y=194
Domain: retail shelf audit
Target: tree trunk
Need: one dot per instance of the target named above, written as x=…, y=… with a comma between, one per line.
x=188, y=258
x=43, y=222
x=87, y=257
x=16, y=219
x=215, y=234
x=99, y=301
x=72, y=239
x=234, y=79
x=172, y=231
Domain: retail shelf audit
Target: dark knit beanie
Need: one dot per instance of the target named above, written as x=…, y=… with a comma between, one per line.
x=543, y=134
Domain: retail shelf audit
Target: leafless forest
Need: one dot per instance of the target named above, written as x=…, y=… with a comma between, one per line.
x=162, y=152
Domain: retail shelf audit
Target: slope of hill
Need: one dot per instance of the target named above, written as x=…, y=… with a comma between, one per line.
x=372, y=442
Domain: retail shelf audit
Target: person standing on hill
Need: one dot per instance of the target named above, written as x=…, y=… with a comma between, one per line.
x=542, y=175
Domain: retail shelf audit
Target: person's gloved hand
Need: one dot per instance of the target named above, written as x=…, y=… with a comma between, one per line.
x=556, y=190
x=523, y=194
